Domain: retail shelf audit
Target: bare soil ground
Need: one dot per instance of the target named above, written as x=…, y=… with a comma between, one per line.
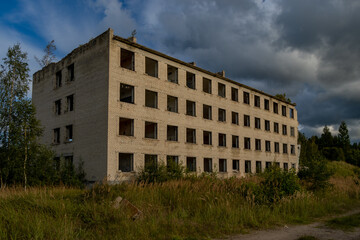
x=294, y=232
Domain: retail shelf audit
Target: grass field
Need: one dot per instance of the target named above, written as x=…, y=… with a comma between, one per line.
x=197, y=208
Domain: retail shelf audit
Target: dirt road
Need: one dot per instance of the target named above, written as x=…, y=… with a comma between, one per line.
x=294, y=232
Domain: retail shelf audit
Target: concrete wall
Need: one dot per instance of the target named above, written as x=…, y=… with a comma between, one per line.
x=89, y=118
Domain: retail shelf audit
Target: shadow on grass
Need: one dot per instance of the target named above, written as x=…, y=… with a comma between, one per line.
x=347, y=223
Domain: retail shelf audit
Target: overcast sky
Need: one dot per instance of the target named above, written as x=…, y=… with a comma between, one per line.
x=308, y=49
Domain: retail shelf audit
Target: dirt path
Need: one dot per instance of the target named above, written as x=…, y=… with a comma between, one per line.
x=294, y=232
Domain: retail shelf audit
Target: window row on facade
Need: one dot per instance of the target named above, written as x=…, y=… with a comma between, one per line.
x=151, y=68
x=151, y=100
x=67, y=138
x=69, y=105
x=126, y=164
x=70, y=76
x=126, y=128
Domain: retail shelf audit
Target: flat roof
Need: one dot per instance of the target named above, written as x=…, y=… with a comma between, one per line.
x=124, y=40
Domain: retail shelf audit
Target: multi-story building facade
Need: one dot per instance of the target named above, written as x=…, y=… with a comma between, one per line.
x=118, y=106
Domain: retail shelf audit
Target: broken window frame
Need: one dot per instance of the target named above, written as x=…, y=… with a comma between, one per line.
x=208, y=165
x=151, y=99
x=126, y=131
x=234, y=94
x=151, y=67
x=190, y=80
x=246, y=97
x=172, y=104
x=222, y=90
x=127, y=62
x=57, y=106
x=222, y=140
x=235, y=118
x=247, y=143
x=172, y=74
x=257, y=101
x=69, y=133
x=207, y=135
x=235, y=141
x=151, y=134
x=207, y=88
x=125, y=162
x=125, y=89
x=58, y=79
x=191, y=164
x=71, y=73
x=222, y=165
x=221, y=115
x=190, y=108
x=191, y=135
x=207, y=112
x=172, y=133
x=246, y=120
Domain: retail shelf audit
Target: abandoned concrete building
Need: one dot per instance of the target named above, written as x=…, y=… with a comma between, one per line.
x=117, y=106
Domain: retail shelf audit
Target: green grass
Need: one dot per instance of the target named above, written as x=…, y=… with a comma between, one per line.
x=347, y=223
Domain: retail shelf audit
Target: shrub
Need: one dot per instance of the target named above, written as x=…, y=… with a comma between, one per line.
x=160, y=172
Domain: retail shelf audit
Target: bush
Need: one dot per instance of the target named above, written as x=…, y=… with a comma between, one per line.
x=160, y=172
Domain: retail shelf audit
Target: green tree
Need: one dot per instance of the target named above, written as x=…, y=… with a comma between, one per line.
x=343, y=136
x=283, y=97
x=326, y=139
x=49, y=56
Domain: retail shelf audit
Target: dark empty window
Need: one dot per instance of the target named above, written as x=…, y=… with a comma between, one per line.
x=267, y=125
x=236, y=165
x=151, y=99
x=246, y=120
x=172, y=161
x=151, y=130
x=292, y=149
x=285, y=148
x=191, y=164
x=151, y=162
x=221, y=90
x=235, y=141
x=222, y=115
x=267, y=146
x=190, y=80
x=151, y=67
x=207, y=165
x=276, y=147
x=222, y=140
x=127, y=59
x=190, y=108
x=172, y=104
x=276, y=127
x=69, y=133
x=207, y=112
x=56, y=136
x=247, y=144
x=286, y=166
x=275, y=108
x=70, y=103
x=266, y=104
x=222, y=165
x=283, y=110
x=292, y=131
x=258, y=144
x=257, y=123
x=284, y=129
x=206, y=85
x=247, y=166
x=235, y=118
x=234, y=94
x=207, y=138
x=258, y=167
x=126, y=162
x=257, y=101
x=172, y=73
x=291, y=113
x=293, y=165
x=126, y=93
x=71, y=73
x=268, y=165
x=190, y=135
x=126, y=127
x=246, y=98
x=58, y=82
x=172, y=133
x=58, y=107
